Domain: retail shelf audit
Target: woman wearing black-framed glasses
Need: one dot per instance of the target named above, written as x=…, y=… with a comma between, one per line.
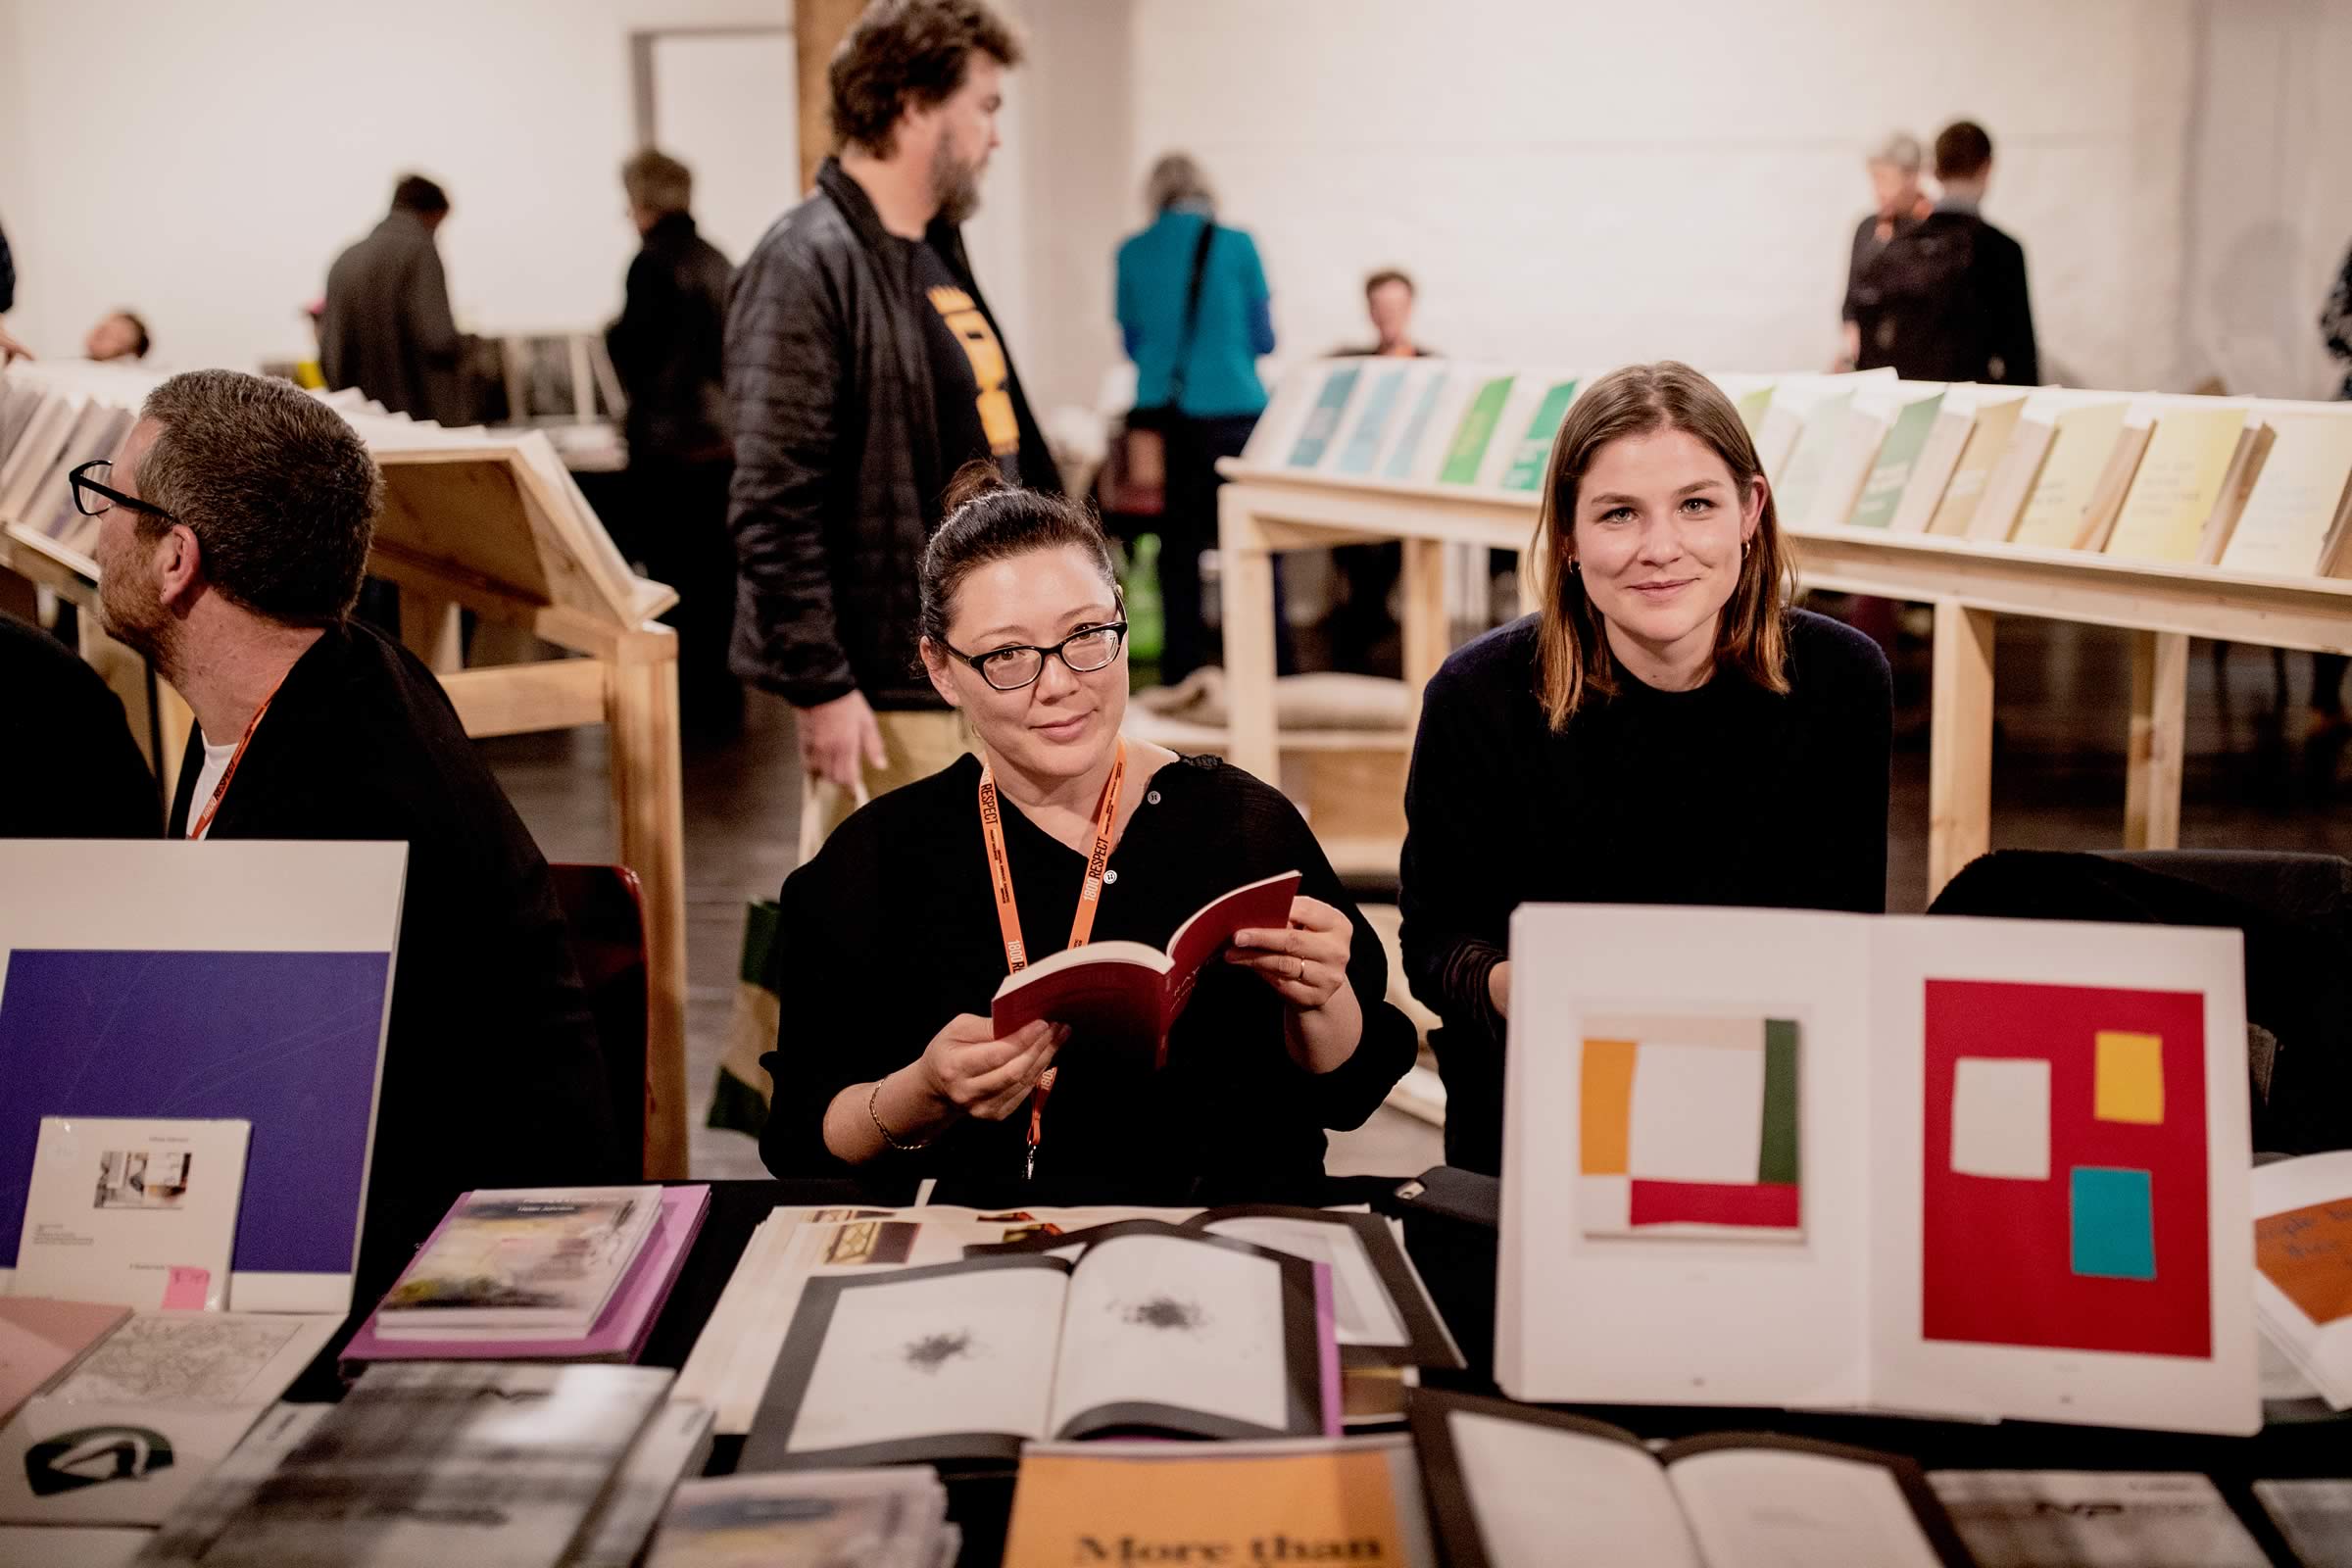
x=1060, y=833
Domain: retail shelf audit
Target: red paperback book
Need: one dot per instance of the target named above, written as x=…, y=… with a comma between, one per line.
x=1131, y=990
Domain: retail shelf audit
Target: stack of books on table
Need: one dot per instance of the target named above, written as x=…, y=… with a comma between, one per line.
x=555, y=1274
x=450, y=1464
x=811, y=1519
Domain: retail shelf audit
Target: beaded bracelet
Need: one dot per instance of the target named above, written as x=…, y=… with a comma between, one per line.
x=875, y=1117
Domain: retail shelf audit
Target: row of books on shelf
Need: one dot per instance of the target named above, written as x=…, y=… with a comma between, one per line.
x=2248, y=485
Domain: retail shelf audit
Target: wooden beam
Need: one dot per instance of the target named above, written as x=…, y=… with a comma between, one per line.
x=1960, y=745
x=648, y=800
x=1423, y=622
x=429, y=628
x=818, y=28
x=1246, y=568
x=523, y=699
x=2153, y=758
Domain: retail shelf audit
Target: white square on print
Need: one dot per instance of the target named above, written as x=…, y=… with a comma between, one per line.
x=1699, y=1113
x=1604, y=1204
x=2001, y=1117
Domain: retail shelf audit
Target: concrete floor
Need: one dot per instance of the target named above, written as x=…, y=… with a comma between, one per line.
x=2064, y=697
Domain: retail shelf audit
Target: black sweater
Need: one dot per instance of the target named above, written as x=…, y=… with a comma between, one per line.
x=1726, y=795
x=79, y=774
x=492, y=1073
x=891, y=931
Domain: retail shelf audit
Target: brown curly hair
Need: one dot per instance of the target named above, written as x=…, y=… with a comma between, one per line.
x=907, y=52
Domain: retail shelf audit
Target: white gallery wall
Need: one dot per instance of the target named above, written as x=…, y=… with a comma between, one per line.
x=1570, y=180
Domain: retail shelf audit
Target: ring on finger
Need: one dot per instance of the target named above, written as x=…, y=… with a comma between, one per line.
x=1298, y=972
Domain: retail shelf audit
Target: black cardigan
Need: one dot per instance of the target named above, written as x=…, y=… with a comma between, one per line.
x=492, y=1075
x=891, y=931
x=78, y=773
x=1726, y=795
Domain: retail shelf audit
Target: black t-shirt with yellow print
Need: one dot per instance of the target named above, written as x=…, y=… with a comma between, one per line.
x=969, y=372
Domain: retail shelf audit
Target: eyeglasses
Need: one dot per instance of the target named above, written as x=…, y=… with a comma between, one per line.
x=1009, y=669
x=85, y=488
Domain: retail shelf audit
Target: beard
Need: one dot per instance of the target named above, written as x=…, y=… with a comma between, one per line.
x=954, y=184
x=133, y=613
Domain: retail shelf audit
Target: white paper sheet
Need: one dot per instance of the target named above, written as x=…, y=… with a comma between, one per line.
x=1767, y=1508
x=1774, y=1318
x=1543, y=1495
x=2315, y=1516
x=1172, y=1322
x=963, y=1352
x=2088, y=1519
x=217, y=1358
x=1360, y=1303
x=133, y=1211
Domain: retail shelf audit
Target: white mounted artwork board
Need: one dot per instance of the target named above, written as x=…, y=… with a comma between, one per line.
x=246, y=979
x=1651, y=1252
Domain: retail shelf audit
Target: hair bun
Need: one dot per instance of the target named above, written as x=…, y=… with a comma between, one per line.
x=976, y=479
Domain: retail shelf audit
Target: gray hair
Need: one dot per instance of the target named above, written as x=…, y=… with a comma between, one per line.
x=277, y=488
x=1176, y=179
x=1900, y=149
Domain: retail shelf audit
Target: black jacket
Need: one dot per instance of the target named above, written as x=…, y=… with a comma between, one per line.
x=666, y=345
x=386, y=327
x=88, y=780
x=492, y=1074
x=838, y=475
x=1945, y=301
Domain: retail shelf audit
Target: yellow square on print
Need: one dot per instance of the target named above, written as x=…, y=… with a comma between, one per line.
x=2131, y=1078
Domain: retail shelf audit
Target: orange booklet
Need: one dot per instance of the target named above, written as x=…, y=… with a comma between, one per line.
x=1131, y=990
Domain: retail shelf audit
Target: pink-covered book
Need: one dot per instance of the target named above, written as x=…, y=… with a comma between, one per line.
x=621, y=1329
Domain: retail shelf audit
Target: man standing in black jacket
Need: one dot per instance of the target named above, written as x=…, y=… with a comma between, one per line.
x=666, y=349
x=386, y=327
x=863, y=368
x=233, y=531
x=1946, y=301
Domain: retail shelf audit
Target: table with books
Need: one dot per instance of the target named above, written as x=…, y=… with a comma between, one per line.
x=1746, y=1136
x=2169, y=516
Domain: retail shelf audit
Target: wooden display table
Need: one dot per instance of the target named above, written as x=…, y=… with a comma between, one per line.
x=1264, y=510
x=490, y=522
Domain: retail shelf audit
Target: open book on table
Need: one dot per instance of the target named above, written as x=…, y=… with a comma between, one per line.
x=1184, y=1336
x=1984, y=1169
x=1131, y=992
x=1513, y=1486
x=1381, y=1314
x=2303, y=1261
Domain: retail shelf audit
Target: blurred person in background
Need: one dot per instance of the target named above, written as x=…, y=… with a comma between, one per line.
x=2327, y=727
x=1388, y=301
x=1899, y=205
x=1195, y=316
x=863, y=369
x=667, y=349
x=1363, y=622
x=118, y=335
x=386, y=327
x=1946, y=300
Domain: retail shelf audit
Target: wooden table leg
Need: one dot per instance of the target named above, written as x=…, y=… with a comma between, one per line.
x=642, y=708
x=1960, y=743
x=1245, y=567
x=2159, y=717
x=1424, y=621
x=429, y=628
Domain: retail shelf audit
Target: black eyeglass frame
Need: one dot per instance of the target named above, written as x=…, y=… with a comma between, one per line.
x=80, y=482
x=1059, y=650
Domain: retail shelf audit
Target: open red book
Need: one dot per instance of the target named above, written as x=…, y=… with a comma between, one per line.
x=1133, y=991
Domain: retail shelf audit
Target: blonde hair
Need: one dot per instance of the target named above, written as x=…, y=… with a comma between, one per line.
x=1573, y=658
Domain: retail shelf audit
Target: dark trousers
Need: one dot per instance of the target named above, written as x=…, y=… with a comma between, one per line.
x=1188, y=527
x=679, y=529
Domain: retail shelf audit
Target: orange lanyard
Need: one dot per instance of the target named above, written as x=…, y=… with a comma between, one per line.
x=1008, y=909
x=221, y=789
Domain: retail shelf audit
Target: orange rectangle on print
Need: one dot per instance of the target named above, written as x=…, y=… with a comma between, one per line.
x=2307, y=1252
x=1607, y=1101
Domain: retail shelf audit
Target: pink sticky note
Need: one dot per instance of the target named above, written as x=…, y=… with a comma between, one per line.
x=187, y=1289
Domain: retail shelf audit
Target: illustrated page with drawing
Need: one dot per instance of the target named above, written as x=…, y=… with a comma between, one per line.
x=1190, y=1336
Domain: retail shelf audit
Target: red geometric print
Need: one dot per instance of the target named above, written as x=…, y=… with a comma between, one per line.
x=1997, y=1252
